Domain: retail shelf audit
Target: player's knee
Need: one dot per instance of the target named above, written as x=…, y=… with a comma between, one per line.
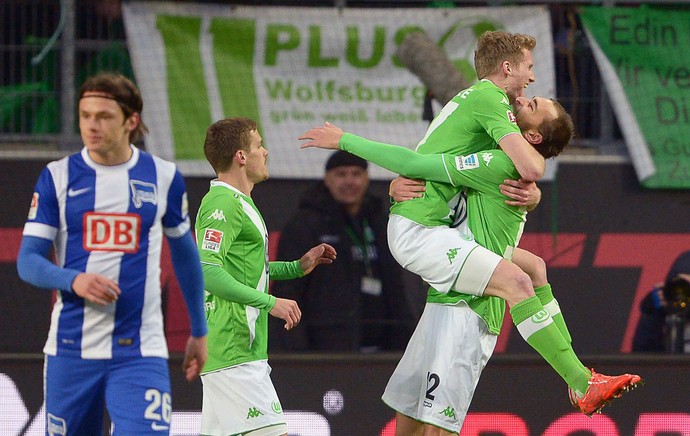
x=519, y=287
x=510, y=283
x=539, y=272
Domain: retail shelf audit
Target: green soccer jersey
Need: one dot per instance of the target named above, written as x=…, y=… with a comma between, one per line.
x=233, y=246
x=495, y=225
x=474, y=120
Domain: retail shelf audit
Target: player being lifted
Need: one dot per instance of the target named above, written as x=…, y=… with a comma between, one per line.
x=468, y=292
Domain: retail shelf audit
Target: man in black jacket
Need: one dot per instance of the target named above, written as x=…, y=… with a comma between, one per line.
x=665, y=308
x=357, y=304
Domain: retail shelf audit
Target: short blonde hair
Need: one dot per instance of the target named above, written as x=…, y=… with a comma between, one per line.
x=494, y=47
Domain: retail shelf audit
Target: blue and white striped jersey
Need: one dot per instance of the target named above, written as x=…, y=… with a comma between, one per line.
x=109, y=220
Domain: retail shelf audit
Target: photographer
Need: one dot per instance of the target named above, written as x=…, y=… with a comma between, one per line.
x=664, y=324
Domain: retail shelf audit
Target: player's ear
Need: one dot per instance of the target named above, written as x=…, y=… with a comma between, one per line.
x=533, y=136
x=240, y=157
x=506, y=68
x=132, y=122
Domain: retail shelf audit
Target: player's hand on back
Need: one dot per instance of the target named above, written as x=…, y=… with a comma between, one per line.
x=521, y=193
x=288, y=311
x=96, y=288
x=402, y=188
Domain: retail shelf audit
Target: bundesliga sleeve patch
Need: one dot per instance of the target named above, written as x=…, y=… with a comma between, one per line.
x=33, y=210
x=212, y=240
x=466, y=162
x=511, y=116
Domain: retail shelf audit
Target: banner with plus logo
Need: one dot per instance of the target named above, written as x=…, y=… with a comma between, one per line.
x=291, y=69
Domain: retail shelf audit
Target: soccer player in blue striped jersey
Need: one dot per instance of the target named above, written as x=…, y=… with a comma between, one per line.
x=104, y=211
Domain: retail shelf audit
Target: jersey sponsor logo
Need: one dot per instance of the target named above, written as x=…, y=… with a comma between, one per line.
x=511, y=116
x=486, y=157
x=111, y=232
x=466, y=162
x=218, y=215
x=71, y=192
x=33, y=209
x=212, y=240
x=253, y=413
x=142, y=192
x=56, y=425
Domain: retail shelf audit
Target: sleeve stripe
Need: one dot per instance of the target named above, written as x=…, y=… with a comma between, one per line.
x=445, y=167
x=40, y=230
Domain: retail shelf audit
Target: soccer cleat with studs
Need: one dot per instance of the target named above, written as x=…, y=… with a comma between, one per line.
x=602, y=390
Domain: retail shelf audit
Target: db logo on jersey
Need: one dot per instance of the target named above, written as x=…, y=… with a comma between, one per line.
x=111, y=232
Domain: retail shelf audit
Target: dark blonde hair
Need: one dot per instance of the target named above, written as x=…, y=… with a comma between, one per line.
x=494, y=47
x=123, y=91
x=224, y=138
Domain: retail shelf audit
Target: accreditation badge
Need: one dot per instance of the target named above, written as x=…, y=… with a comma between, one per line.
x=371, y=286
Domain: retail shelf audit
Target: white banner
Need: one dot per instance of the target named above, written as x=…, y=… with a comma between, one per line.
x=291, y=69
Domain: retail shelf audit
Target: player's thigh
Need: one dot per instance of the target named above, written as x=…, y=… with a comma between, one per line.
x=476, y=271
x=240, y=399
x=435, y=381
x=74, y=395
x=455, y=363
x=436, y=254
x=402, y=392
x=138, y=396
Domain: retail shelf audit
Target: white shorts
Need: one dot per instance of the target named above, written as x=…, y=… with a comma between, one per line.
x=239, y=400
x=435, y=380
x=446, y=258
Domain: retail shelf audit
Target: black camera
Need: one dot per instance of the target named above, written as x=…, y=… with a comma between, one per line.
x=677, y=295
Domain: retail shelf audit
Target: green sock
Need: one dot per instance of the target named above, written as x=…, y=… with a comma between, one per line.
x=551, y=305
x=536, y=326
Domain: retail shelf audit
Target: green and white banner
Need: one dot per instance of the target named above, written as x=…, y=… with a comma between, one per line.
x=644, y=58
x=291, y=69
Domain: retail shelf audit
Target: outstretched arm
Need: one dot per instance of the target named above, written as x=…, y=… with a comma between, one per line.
x=392, y=157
